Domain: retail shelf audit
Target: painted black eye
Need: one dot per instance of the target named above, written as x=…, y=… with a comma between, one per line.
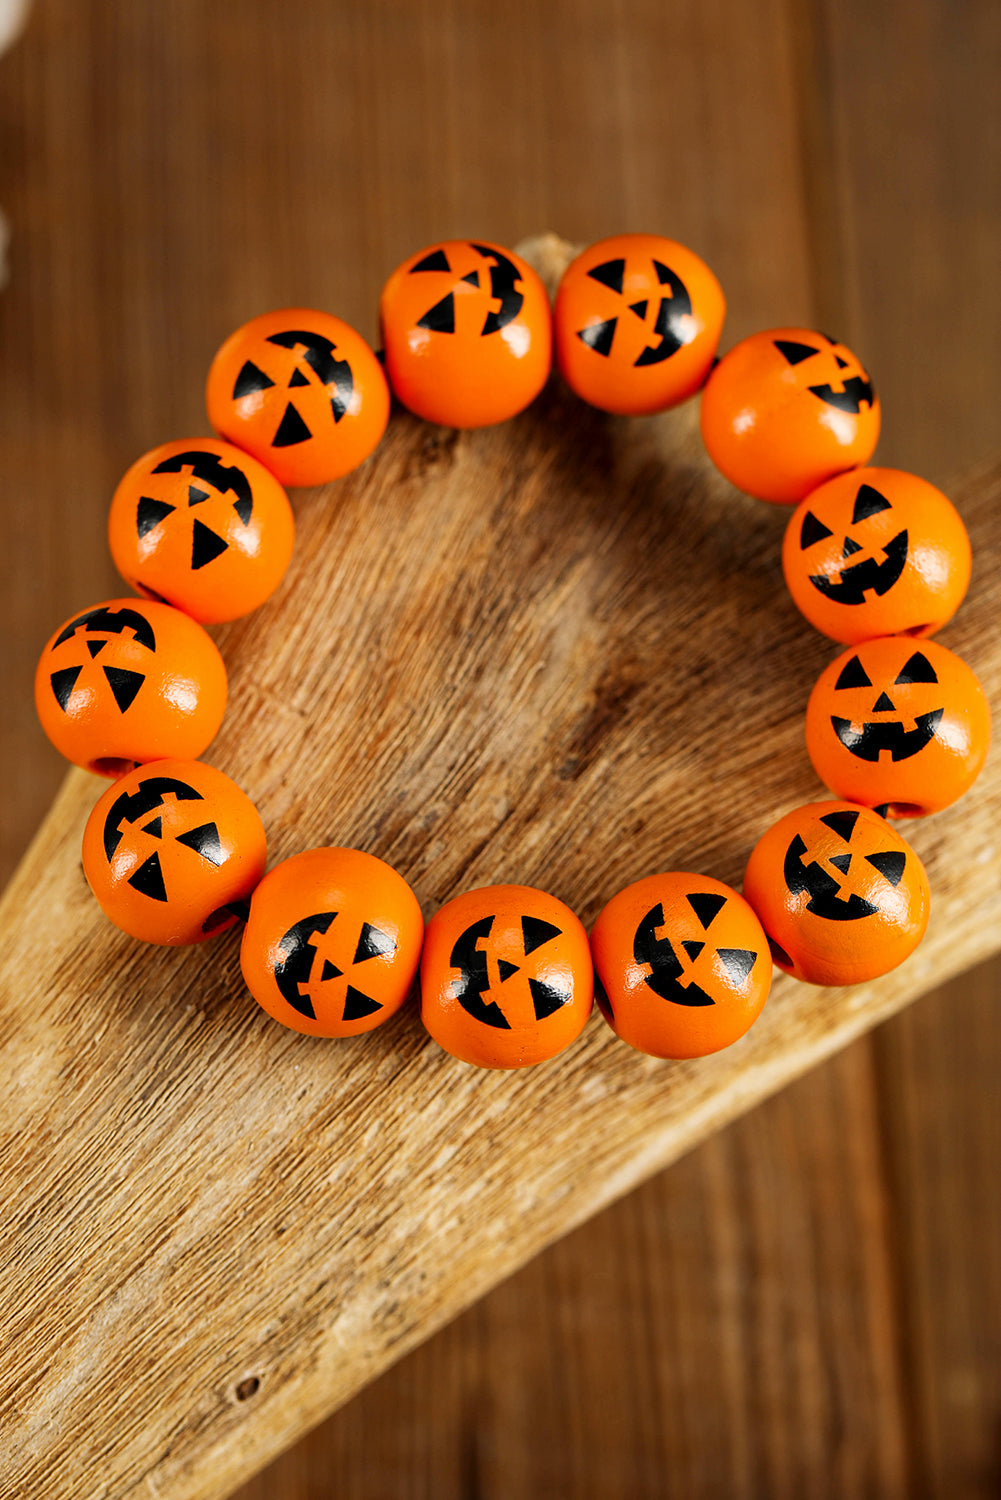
x=917, y=669
x=868, y=502
x=853, y=674
x=812, y=531
x=792, y=352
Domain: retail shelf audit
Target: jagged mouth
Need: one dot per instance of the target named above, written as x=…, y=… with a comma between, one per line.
x=868, y=741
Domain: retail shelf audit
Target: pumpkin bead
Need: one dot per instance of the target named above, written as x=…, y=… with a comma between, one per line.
x=128, y=681
x=171, y=849
x=684, y=965
x=842, y=897
x=332, y=943
x=876, y=552
x=467, y=331
x=636, y=323
x=506, y=977
x=302, y=392
x=786, y=410
x=203, y=526
x=858, y=735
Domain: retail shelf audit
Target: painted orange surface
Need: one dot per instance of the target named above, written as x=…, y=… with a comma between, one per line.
x=302, y=392
x=683, y=962
x=203, y=526
x=467, y=331
x=787, y=409
x=506, y=976
x=842, y=897
x=332, y=943
x=128, y=681
x=170, y=848
x=636, y=323
x=898, y=724
x=876, y=552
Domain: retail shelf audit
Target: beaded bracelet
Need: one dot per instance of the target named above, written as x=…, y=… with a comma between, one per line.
x=202, y=529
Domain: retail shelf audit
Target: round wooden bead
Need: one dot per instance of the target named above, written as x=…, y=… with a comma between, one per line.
x=897, y=725
x=467, y=331
x=636, y=323
x=332, y=943
x=129, y=681
x=787, y=409
x=684, y=965
x=506, y=977
x=876, y=552
x=842, y=897
x=170, y=849
x=302, y=392
x=203, y=526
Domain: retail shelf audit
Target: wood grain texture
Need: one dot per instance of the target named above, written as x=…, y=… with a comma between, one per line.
x=456, y=679
x=170, y=170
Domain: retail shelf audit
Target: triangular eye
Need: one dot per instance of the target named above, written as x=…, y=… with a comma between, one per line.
x=841, y=822
x=706, y=906
x=812, y=531
x=792, y=352
x=917, y=669
x=889, y=862
x=610, y=274
x=437, y=260
x=868, y=502
x=853, y=674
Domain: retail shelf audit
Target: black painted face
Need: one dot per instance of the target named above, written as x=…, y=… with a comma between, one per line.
x=154, y=795
x=826, y=890
x=844, y=392
x=873, y=736
x=319, y=377
x=483, y=969
x=670, y=975
x=869, y=574
x=222, y=481
x=97, y=628
x=309, y=973
x=672, y=322
x=504, y=287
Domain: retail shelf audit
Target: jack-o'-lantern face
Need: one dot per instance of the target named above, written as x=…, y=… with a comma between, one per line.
x=103, y=654
x=683, y=964
x=890, y=724
x=466, y=327
x=302, y=392
x=843, y=881
x=785, y=410
x=221, y=492
x=506, y=976
x=829, y=371
x=876, y=552
x=637, y=320
x=874, y=723
x=867, y=556
x=202, y=526
x=320, y=970
x=678, y=966
x=173, y=850
x=842, y=897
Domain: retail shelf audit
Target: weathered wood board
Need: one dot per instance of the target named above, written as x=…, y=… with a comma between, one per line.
x=558, y=652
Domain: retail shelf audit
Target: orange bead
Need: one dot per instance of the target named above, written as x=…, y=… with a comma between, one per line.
x=684, y=965
x=895, y=725
x=876, y=552
x=636, y=323
x=842, y=897
x=170, y=849
x=332, y=943
x=203, y=526
x=302, y=392
x=787, y=409
x=506, y=977
x=467, y=332
x=128, y=681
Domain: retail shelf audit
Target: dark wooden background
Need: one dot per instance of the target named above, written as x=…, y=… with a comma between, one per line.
x=809, y=1305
